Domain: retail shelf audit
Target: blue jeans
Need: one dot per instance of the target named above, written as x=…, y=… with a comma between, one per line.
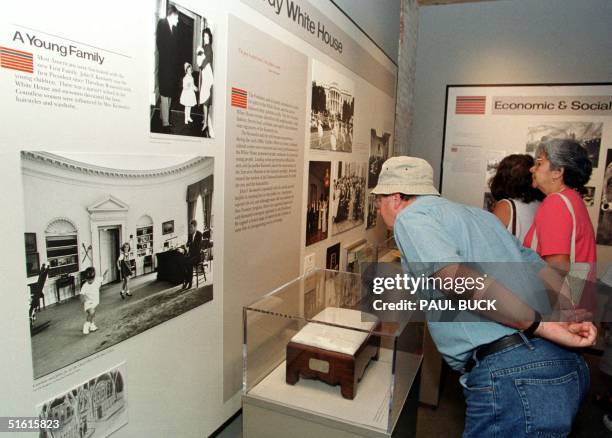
x=532, y=389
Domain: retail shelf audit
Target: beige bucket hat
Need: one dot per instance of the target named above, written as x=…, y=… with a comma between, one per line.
x=407, y=175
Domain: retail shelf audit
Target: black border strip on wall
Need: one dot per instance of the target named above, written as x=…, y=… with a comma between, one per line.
x=364, y=32
x=448, y=86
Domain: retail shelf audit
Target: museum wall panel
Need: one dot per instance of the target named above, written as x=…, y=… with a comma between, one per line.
x=111, y=138
x=504, y=42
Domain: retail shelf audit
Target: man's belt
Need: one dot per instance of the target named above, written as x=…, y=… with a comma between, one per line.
x=494, y=347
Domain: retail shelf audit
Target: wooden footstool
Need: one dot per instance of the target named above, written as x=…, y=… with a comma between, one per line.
x=334, y=355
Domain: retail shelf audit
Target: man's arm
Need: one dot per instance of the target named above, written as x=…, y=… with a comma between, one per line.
x=418, y=236
x=197, y=244
x=511, y=311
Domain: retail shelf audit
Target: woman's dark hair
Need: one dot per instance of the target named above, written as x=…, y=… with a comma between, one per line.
x=570, y=156
x=513, y=180
x=210, y=39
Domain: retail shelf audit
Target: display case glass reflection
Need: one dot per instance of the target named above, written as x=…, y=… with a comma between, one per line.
x=314, y=345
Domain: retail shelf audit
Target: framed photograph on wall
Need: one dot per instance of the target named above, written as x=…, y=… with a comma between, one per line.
x=102, y=402
x=333, y=257
x=332, y=109
x=348, y=196
x=181, y=86
x=168, y=227
x=317, y=208
x=99, y=235
x=30, y=243
x=354, y=252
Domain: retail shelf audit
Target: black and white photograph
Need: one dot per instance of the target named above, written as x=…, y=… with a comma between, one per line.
x=168, y=227
x=332, y=110
x=492, y=158
x=491, y=169
x=372, y=211
x=182, y=94
x=358, y=255
x=589, y=196
x=95, y=409
x=319, y=177
x=604, y=227
x=348, y=196
x=588, y=134
x=109, y=268
x=379, y=152
x=355, y=253
x=333, y=257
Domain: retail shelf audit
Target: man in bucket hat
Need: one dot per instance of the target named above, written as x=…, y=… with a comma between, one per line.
x=519, y=378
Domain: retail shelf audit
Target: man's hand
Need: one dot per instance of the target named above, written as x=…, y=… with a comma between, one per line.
x=568, y=334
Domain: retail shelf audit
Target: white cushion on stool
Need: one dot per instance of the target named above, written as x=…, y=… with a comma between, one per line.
x=338, y=339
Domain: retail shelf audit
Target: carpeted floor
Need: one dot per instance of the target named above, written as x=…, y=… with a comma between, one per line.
x=57, y=337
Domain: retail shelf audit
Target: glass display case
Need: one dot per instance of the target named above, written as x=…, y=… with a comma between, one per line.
x=389, y=260
x=314, y=348
x=388, y=252
x=357, y=254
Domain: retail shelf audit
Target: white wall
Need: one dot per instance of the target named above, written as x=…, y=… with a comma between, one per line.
x=380, y=19
x=514, y=42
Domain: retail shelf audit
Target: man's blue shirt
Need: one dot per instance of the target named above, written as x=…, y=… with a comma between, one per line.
x=433, y=232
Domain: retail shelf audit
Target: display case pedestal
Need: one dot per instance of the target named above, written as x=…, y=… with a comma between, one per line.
x=300, y=342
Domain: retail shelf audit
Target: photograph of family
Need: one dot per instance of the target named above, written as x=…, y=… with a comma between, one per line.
x=319, y=178
x=182, y=94
x=348, y=196
x=114, y=245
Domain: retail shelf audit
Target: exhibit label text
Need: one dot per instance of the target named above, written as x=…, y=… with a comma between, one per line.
x=64, y=50
x=302, y=18
x=552, y=105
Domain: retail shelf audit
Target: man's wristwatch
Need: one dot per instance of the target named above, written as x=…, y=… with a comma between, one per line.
x=530, y=331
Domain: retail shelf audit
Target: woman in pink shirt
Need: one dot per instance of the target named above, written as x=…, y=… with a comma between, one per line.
x=561, y=169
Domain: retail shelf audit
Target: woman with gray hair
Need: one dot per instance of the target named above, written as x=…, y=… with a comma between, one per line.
x=562, y=232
